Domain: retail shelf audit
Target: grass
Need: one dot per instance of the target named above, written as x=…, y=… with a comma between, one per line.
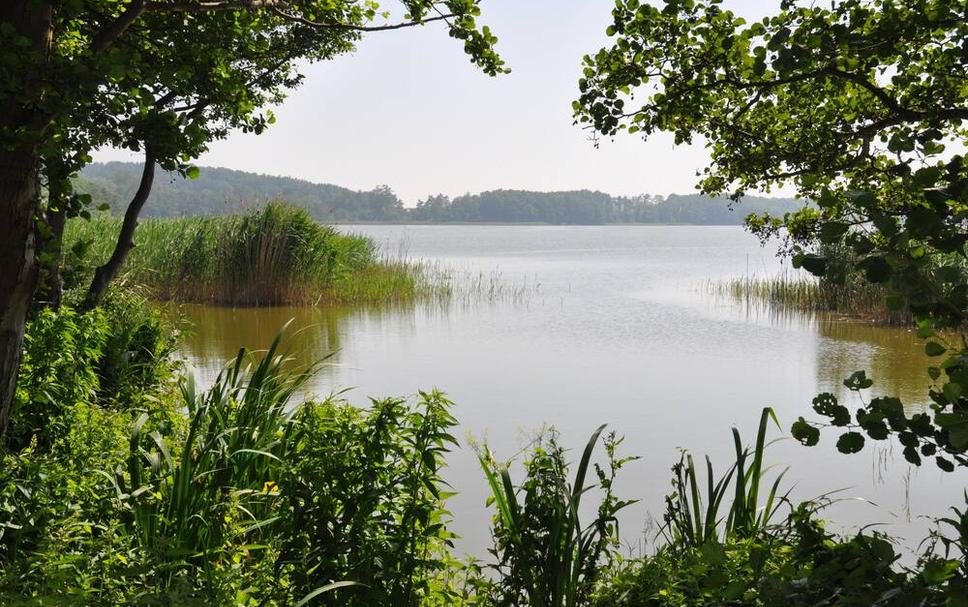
x=275, y=255
x=795, y=292
x=693, y=521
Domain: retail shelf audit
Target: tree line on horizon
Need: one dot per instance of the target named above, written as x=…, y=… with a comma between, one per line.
x=219, y=191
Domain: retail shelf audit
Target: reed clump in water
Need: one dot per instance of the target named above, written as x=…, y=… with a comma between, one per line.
x=274, y=255
x=785, y=292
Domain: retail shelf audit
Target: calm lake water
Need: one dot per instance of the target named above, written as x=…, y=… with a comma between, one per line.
x=611, y=325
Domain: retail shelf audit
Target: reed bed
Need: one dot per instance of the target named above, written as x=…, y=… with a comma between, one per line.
x=274, y=255
x=797, y=292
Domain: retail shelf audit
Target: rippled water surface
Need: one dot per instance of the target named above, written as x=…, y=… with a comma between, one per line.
x=611, y=325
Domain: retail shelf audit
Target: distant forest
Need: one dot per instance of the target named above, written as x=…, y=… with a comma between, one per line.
x=218, y=191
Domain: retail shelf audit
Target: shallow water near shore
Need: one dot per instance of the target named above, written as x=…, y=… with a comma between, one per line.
x=608, y=325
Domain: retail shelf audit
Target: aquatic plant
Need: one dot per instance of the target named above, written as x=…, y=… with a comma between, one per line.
x=546, y=556
x=803, y=293
x=693, y=520
x=272, y=255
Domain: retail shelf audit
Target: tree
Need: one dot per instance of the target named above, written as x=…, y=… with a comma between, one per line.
x=100, y=68
x=855, y=106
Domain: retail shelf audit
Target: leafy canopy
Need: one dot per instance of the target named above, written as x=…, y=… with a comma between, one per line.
x=175, y=75
x=860, y=107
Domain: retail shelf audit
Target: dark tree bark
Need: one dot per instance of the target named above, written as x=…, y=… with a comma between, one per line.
x=22, y=124
x=50, y=289
x=50, y=292
x=106, y=273
x=18, y=268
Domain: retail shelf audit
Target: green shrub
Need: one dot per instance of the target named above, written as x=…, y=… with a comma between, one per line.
x=84, y=378
x=363, y=501
x=546, y=556
x=115, y=356
x=693, y=520
x=739, y=553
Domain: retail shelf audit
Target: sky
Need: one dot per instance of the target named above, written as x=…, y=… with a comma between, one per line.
x=408, y=110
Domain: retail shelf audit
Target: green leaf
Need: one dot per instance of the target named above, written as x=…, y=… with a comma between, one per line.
x=832, y=232
x=858, y=380
x=815, y=264
x=876, y=269
x=944, y=464
x=956, y=424
x=952, y=391
x=192, y=172
x=805, y=433
x=850, y=442
x=826, y=404
x=933, y=348
x=937, y=571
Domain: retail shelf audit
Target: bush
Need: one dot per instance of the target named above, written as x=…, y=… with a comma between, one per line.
x=85, y=377
x=116, y=356
x=739, y=553
x=130, y=496
x=364, y=501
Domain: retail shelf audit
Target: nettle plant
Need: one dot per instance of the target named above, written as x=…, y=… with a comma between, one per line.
x=860, y=107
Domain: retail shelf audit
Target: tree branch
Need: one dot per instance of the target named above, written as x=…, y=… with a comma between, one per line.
x=356, y=28
x=112, y=31
x=107, y=272
x=209, y=7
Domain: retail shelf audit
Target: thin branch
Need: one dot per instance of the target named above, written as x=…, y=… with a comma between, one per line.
x=356, y=28
x=112, y=31
x=209, y=7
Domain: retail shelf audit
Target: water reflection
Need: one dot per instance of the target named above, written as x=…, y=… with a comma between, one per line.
x=215, y=334
x=894, y=358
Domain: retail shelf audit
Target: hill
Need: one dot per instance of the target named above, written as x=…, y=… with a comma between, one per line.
x=218, y=191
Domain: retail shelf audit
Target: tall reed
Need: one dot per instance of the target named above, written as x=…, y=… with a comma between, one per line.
x=277, y=254
x=797, y=292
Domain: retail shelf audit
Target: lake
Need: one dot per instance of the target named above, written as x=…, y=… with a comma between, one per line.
x=616, y=325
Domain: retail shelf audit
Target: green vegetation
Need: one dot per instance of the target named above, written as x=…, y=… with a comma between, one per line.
x=143, y=491
x=120, y=484
x=216, y=191
x=843, y=288
x=594, y=208
x=873, y=155
x=152, y=495
x=862, y=129
x=545, y=556
x=748, y=552
x=273, y=255
x=796, y=292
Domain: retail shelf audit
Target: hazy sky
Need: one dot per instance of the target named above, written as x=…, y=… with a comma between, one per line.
x=408, y=110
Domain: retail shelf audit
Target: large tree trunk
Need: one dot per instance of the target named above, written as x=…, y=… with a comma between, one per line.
x=18, y=268
x=22, y=125
x=106, y=273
